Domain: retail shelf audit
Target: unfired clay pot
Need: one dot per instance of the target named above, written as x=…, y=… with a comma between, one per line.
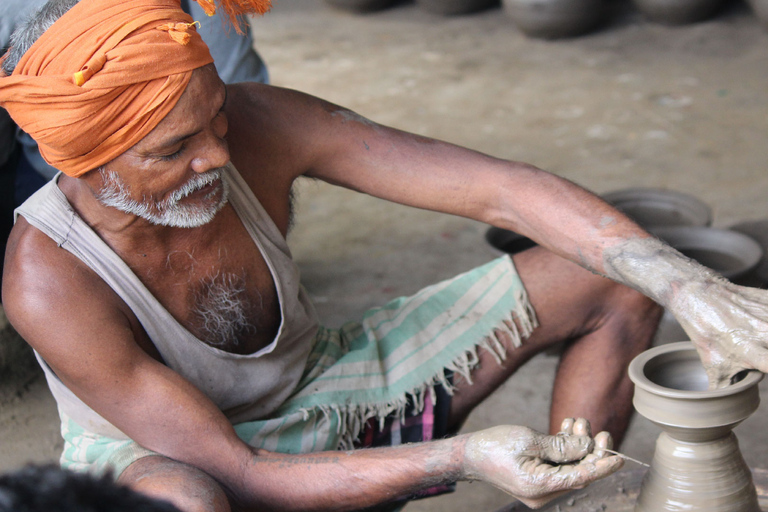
x=649, y=207
x=362, y=5
x=760, y=8
x=452, y=7
x=758, y=231
x=677, y=12
x=730, y=253
x=697, y=465
x=553, y=19
x=652, y=207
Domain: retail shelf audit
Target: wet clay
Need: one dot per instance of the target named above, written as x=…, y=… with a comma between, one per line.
x=726, y=322
x=697, y=464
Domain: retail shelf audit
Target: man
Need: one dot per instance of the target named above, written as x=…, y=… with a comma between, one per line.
x=184, y=354
x=23, y=170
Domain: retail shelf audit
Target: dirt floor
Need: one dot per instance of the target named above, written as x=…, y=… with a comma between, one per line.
x=631, y=104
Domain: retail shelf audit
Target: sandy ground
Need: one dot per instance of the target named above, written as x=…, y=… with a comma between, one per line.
x=633, y=104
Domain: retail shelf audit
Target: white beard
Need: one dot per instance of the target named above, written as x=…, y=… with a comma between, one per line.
x=168, y=212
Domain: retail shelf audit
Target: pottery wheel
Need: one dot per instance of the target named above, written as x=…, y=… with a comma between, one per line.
x=618, y=492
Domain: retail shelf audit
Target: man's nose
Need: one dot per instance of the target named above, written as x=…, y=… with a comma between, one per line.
x=215, y=154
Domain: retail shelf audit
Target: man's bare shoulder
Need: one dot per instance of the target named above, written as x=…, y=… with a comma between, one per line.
x=47, y=290
x=283, y=129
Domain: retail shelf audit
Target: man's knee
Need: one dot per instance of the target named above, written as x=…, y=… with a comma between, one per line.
x=634, y=315
x=188, y=488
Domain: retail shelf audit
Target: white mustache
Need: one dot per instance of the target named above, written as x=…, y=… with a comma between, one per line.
x=195, y=183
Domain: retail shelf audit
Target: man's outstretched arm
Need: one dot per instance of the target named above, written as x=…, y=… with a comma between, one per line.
x=727, y=323
x=93, y=343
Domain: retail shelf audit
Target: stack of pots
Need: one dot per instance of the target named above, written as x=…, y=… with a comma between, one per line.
x=553, y=19
x=684, y=222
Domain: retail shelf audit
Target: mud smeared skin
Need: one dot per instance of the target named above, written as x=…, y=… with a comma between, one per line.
x=727, y=323
x=536, y=468
x=349, y=116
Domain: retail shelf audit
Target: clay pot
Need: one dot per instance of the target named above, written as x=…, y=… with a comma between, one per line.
x=507, y=241
x=652, y=207
x=553, y=19
x=733, y=255
x=677, y=12
x=362, y=5
x=453, y=7
x=697, y=464
x=760, y=8
x=649, y=207
x=758, y=231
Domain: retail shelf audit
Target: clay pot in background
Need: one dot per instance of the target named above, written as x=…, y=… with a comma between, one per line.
x=733, y=255
x=652, y=207
x=758, y=231
x=362, y=5
x=677, y=12
x=453, y=7
x=730, y=253
x=507, y=241
x=649, y=207
x=554, y=19
x=760, y=8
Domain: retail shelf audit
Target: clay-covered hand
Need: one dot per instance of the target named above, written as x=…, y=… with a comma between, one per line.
x=534, y=467
x=727, y=323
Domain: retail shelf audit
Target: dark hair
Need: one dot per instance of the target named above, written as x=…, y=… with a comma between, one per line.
x=30, y=30
x=49, y=488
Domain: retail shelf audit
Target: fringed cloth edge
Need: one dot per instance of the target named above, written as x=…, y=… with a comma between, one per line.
x=358, y=373
x=352, y=418
x=349, y=416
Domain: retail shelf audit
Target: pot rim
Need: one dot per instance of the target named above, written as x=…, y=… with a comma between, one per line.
x=637, y=375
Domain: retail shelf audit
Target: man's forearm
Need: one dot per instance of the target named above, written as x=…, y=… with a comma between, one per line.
x=653, y=268
x=348, y=480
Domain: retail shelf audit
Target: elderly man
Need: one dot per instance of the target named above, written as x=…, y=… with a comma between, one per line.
x=153, y=280
x=23, y=170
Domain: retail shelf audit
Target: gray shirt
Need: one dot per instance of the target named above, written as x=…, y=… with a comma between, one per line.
x=244, y=387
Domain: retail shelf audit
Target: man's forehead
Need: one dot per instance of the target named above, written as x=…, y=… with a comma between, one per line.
x=204, y=94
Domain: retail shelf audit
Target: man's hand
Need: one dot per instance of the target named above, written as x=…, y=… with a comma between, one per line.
x=536, y=468
x=727, y=323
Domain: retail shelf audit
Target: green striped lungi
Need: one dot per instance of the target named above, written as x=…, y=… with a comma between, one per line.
x=369, y=369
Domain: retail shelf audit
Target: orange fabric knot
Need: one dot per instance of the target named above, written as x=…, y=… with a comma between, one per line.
x=208, y=6
x=91, y=68
x=179, y=32
x=101, y=78
x=235, y=8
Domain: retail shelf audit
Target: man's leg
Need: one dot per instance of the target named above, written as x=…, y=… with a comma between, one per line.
x=188, y=488
x=604, y=326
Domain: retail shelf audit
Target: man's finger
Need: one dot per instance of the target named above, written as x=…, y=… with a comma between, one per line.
x=603, y=441
x=577, y=476
x=581, y=427
x=566, y=427
x=719, y=376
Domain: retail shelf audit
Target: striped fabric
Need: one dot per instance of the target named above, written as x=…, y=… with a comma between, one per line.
x=371, y=369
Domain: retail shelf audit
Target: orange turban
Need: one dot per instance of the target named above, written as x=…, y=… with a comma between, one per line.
x=103, y=76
